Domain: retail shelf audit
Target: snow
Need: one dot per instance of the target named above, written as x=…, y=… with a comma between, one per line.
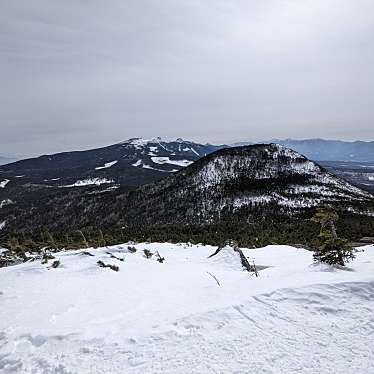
x=166, y=160
x=140, y=143
x=107, y=165
x=137, y=163
x=145, y=166
x=296, y=317
x=193, y=150
x=5, y=202
x=90, y=181
x=4, y=183
x=2, y=225
x=227, y=259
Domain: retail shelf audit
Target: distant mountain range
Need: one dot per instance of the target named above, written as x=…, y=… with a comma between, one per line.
x=138, y=161
x=327, y=150
x=246, y=184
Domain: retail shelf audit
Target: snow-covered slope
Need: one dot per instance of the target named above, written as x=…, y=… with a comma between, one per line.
x=173, y=317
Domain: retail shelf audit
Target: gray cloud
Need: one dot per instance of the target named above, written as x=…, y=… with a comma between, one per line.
x=78, y=74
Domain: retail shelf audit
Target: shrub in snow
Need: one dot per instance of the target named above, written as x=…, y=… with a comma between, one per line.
x=147, y=253
x=334, y=252
x=103, y=265
x=55, y=264
x=46, y=257
x=131, y=249
x=86, y=253
x=159, y=258
x=115, y=257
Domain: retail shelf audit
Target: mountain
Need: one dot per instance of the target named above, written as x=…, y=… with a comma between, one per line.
x=138, y=161
x=69, y=175
x=328, y=150
x=246, y=181
x=242, y=184
x=131, y=163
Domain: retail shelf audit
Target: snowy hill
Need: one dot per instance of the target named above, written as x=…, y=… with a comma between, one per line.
x=257, y=179
x=173, y=317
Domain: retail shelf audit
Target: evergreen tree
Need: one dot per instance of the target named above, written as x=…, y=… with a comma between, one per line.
x=331, y=249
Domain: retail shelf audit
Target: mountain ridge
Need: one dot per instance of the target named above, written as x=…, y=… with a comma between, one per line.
x=240, y=184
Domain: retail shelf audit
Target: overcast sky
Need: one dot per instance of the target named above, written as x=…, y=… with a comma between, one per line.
x=76, y=74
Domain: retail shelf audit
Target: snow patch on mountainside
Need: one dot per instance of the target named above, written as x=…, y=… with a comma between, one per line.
x=107, y=165
x=137, y=163
x=145, y=166
x=166, y=160
x=90, y=181
x=294, y=202
x=5, y=202
x=4, y=183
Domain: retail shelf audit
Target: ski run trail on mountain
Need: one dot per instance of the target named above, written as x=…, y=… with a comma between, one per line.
x=174, y=317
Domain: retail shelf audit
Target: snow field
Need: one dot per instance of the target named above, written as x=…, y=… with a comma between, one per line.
x=172, y=317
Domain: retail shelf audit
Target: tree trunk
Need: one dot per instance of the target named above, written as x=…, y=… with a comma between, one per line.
x=333, y=230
